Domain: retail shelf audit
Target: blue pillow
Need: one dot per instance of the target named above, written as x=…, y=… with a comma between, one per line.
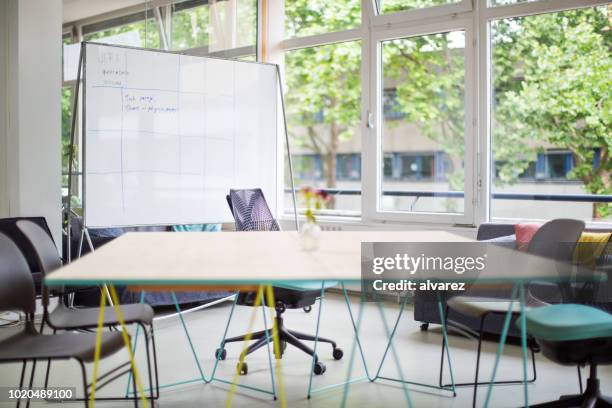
x=197, y=228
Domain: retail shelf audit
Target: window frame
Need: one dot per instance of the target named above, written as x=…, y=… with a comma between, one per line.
x=372, y=155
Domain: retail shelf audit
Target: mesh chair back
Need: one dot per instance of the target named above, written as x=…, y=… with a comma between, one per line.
x=251, y=211
x=556, y=239
x=17, y=288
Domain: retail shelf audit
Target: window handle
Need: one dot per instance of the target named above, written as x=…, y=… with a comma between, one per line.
x=370, y=121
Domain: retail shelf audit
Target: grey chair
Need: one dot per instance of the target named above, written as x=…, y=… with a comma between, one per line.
x=17, y=293
x=556, y=239
x=66, y=318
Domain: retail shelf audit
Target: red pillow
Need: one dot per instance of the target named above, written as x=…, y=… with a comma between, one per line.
x=524, y=233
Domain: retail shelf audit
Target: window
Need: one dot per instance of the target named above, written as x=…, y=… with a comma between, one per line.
x=67, y=93
x=218, y=26
x=392, y=6
x=309, y=17
x=424, y=112
x=190, y=25
x=323, y=93
x=348, y=167
x=550, y=114
x=137, y=30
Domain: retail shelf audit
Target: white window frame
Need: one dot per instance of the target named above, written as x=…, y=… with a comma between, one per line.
x=372, y=142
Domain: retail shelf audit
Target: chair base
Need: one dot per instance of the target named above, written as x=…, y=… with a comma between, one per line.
x=286, y=336
x=591, y=398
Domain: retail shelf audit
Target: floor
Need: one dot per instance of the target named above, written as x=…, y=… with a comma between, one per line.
x=419, y=353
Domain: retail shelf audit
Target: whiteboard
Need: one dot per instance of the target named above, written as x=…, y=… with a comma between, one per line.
x=166, y=136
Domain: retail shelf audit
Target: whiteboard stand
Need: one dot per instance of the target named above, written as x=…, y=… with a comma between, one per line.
x=282, y=95
x=84, y=231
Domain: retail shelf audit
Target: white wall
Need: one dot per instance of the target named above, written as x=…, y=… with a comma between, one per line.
x=32, y=131
x=3, y=105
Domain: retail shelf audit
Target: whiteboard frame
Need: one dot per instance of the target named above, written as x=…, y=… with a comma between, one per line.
x=83, y=74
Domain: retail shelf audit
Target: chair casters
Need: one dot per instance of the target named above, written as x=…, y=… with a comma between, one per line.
x=307, y=309
x=533, y=345
x=424, y=326
x=220, y=354
x=337, y=353
x=319, y=368
x=242, y=370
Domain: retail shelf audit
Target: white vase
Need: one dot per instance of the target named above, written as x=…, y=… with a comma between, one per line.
x=310, y=234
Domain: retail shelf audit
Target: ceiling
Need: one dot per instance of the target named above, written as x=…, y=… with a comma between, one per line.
x=80, y=9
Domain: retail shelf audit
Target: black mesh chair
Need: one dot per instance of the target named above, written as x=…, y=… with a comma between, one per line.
x=67, y=318
x=251, y=213
x=17, y=294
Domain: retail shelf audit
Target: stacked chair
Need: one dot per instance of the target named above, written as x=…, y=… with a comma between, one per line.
x=64, y=318
x=17, y=293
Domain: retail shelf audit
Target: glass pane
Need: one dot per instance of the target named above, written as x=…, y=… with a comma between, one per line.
x=218, y=25
x=423, y=123
x=552, y=75
x=67, y=106
x=66, y=125
x=393, y=6
x=323, y=97
x=507, y=2
x=309, y=17
x=143, y=33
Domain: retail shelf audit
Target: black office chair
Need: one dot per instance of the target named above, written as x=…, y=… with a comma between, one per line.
x=66, y=318
x=556, y=239
x=571, y=334
x=251, y=213
x=17, y=294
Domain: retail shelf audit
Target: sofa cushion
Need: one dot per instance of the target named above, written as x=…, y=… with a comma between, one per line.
x=524, y=234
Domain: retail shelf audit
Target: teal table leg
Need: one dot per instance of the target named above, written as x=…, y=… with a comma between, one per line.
x=356, y=328
x=222, y=343
x=356, y=343
x=523, y=324
x=502, y=342
x=446, y=347
x=390, y=336
x=316, y=340
x=195, y=355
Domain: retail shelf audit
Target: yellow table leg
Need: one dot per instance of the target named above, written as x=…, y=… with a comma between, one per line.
x=276, y=340
x=97, y=349
x=234, y=387
x=128, y=345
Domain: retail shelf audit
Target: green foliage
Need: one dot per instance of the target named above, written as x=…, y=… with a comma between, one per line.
x=551, y=80
x=553, y=85
x=324, y=90
x=308, y=17
x=148, y=30
x=429, y=75
x=66, y=126
x=190, y=28
x=193, y=27
x=392, y=6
